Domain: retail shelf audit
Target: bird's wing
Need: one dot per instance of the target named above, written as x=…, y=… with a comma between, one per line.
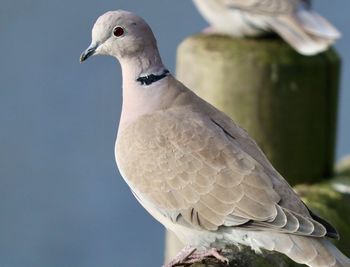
x=265, y=7
x=194, y=172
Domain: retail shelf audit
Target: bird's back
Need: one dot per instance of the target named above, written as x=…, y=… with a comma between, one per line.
x=305, y=30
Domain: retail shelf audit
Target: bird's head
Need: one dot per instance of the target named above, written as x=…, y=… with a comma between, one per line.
x=120, y=34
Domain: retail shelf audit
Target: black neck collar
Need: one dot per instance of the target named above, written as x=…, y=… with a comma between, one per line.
x=152, y=78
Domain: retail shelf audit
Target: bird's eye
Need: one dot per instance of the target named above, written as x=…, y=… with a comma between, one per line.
x=118, y=31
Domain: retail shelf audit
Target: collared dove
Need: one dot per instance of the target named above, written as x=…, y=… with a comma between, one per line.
x=294, y=20
x=193, y=169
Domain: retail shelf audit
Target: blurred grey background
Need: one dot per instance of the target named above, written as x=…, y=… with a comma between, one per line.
x=62, y=201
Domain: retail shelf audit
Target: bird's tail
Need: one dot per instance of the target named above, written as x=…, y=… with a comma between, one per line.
x=314, y=252
x=306, y=31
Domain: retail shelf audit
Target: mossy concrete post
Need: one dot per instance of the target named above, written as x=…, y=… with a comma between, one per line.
x=287, y=102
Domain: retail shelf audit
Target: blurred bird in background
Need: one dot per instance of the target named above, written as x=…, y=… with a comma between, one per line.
x=294, y=20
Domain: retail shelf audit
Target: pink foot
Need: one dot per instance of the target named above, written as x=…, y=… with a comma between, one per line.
x=181, y=257
x=211, y=253
x=189, y=256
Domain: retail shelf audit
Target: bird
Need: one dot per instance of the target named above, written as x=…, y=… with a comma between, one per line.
x=193, y=168
x=294, y=20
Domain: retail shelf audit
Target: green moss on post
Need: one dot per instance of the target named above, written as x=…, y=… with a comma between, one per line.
x=331, y=204
x=286, y=101
x=343, y=167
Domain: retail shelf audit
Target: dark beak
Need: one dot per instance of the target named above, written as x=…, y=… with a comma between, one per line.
x=88, y=52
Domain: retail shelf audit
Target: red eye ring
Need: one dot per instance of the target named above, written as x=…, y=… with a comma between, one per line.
x=118, y=31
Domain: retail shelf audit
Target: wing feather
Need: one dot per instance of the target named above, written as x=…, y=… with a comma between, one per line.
x=183, y=162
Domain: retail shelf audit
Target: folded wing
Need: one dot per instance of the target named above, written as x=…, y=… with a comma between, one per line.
x=196, y=174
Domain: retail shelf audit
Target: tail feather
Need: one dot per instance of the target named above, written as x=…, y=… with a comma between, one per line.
x=317, y=25
x=308, y=40
x=314, y=252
